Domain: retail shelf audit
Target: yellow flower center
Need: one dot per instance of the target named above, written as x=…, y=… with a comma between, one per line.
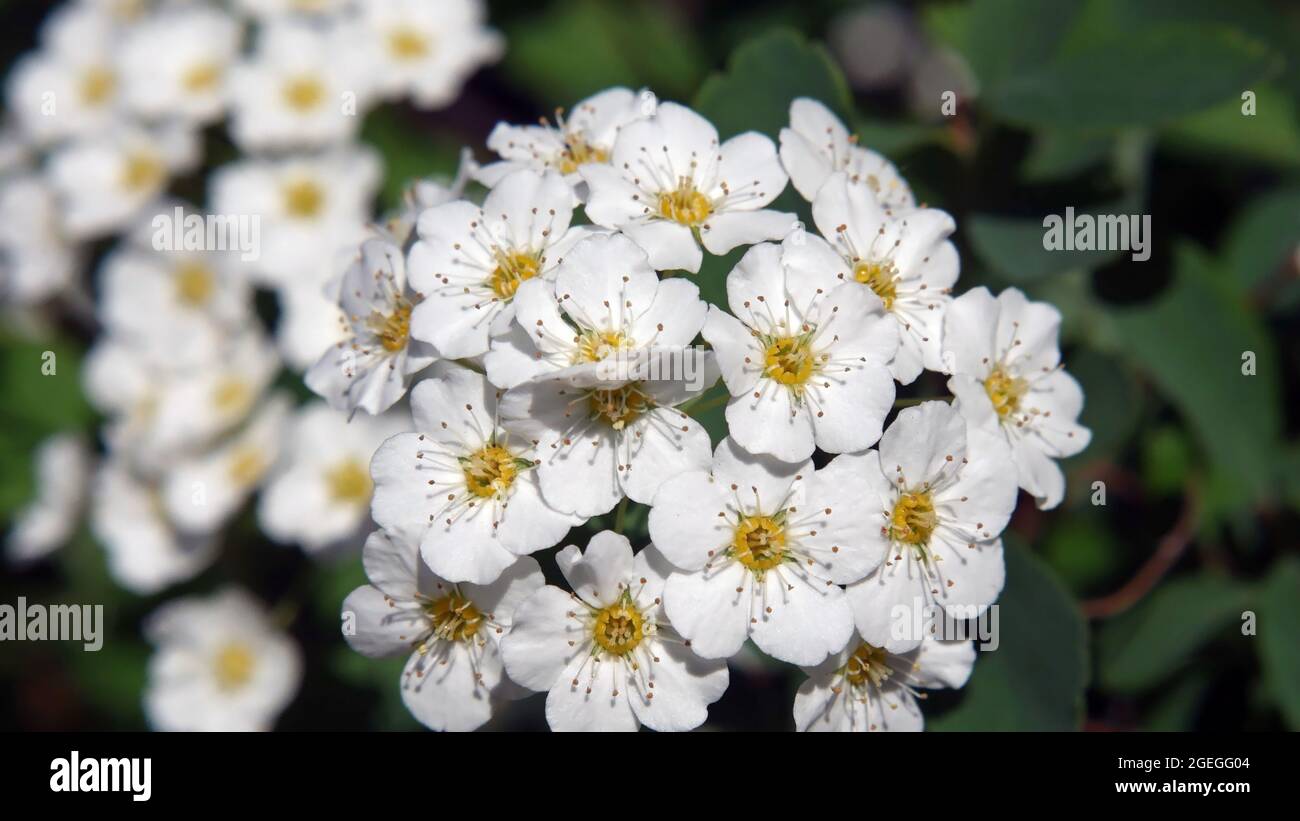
x=869, y=665
x=142, y=171
x=394, y=330
x=512, y=269
x=405, y=44
x=789, y=359
x=454, y=617
x=1005, y=391
x=303, y=93
x=619, y=406
x=303, y=199
x=759, y=543
x=596, y=346
x=194, y=283
x=349, y=482
x=246, y=466
x=879, y=277
x=685, y=205
x=619, y=628
x=231, y=395
x=234, y=665
x=490, y=471
x=201, y=77
x=913, y=519
x=578, y=152
x=97, y=85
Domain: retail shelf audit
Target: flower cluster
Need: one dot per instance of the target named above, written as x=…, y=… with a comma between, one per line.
x=106, y=117
x=545, y=404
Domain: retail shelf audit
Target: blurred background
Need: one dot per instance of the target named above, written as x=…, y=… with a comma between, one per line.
x=1166, y=597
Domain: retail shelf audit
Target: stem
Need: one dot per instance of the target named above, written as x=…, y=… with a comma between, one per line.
x=620, y=514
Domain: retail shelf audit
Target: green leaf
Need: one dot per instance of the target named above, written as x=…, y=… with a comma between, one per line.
x=1082, y=550
x=1135, y=77
x=1166, y=461
x=1003, y=38
x=1191, y=342
x=763, y=76
x=1113, y=401
x=1144, y=646
x=409, y=152
x=1035, y=679
x=1259, y=241
x=1279, y=649
x=1013, y=248
x=1058, y=154
x=1271, y=134
x=892, y=139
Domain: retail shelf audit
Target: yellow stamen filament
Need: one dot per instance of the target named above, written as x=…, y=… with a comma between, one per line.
x=685, y=205
x=1005, y=391
x=789, y=359
x=596, y=346
x=759, y=543
x=619, y=406
x=619, y=628
x=349, y=482
x=879, y=277
x=393, y=330
x=913, y=519
x=869, y=665
x=490, y=471
x=195, y=283
x=233, y=666
x=512, y=269
x=578, y=152
x=454, y=617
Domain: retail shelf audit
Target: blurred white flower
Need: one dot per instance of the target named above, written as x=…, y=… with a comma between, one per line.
x=937, y=497
x=318, y=496
x=604, y=654
x=452, y=631
x=817, y=145
x=463, y=483
x=425, y=50
x=70, y=87
x=583, y=136
x=604, y=424
x=221, y=664
x=761, y=547
x=806, y=362
x=371, y=368
x=145, y=551
x=202, y=492
x=469, y=261
x=105, y=181
x=671, y=187
x=36, y=259
x=1009, y=380
x=270, y=10
x=63, y=465
x=174, y=64
x=907, y=261
x=304, y=87
x=867, y=689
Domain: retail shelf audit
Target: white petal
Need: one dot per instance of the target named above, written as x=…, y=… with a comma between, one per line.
x=543, y=639
x=810, y=619
x=601, y=573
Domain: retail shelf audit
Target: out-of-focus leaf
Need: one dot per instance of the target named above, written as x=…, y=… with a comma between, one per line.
x=1259, y=241
x=1035, y=679
x=409, y=153
x=1058, y=154
x=578, y=47
x=50, y=402
x=1279, y=649
x=1004, y=38
x=1177, y=709
x=1134, y=77
x=1142, y=647
x=1225, y=133
x=1113, y=401
x=1013, y=248
x=763, y=76
x=1191, y=342
x=1166, y=460
x=892, y=139
x=1082, y=551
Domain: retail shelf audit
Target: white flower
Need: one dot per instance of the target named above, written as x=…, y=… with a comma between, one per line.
x=938, y=497
x=604, y=654
x=806, y=363
x=106, y=180
x=311, y=321
x=319, y=496
x=309, y=208
x=584, y=137
x=145, y=551
x=762, y=547
x=463, y=482
x=865, y=688
x=70, y=87
x=423, y=49
x=202, y=492
x=181, y=304
x=174, y=63
x=906, y=261
x=270, y=10
x=63, y=464
x=373, y=366
x=220, y=665
x=671, y=187
x=817, y=145
x=303, y=87
x=469, y=261
x=451, y=631
x=36, y=259
x=604, y=422
x=1008, y=379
